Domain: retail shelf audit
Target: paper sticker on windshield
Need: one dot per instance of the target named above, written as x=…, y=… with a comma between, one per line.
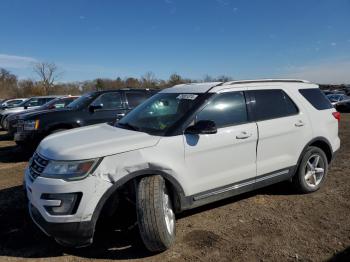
x=187, y=96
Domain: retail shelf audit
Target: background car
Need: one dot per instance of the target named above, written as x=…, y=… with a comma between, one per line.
x=9, y=122
x=343, y=106
x=328, y=92
x=30, y=103
x=336, y=98
x=92, y=108
x=9, y=103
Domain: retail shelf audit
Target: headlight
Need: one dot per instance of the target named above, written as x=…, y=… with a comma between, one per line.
x=69, y=170
x=31, y=125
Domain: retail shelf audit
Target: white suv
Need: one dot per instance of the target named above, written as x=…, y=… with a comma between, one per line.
x=184, y=147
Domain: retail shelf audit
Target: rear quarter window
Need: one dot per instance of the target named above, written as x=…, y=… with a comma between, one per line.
x=316, y=98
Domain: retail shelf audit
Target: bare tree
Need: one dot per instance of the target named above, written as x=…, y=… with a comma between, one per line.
x=8, y=84
x=48, y=74
x=175, y=79
x=149, y=80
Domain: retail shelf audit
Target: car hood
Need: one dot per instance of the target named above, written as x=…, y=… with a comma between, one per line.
x=16, y=110
x=37, y=111
x=93, y=142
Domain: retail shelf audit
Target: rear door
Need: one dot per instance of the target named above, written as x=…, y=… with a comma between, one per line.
x=283, y=130
x=227, y=157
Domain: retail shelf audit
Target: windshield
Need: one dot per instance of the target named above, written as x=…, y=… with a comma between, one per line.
x=159, y=113
x=82, y=101
x=14, y=102
x=49, y=104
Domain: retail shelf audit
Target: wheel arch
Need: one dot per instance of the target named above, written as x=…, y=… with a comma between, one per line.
x=174, y=186
x=322, y=143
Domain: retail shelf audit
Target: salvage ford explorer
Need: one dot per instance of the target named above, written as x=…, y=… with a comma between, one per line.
x=187, y=146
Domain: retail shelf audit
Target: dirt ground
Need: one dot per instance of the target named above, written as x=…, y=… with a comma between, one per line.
x=272, y=224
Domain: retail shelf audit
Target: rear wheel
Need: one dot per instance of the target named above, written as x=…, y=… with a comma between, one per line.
x=312, y=170
x=155, y=214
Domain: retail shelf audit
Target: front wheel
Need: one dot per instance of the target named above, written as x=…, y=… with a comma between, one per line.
x=312, y=170
x=155, y=214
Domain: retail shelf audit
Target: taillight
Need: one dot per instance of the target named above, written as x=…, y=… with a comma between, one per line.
x=336, y=115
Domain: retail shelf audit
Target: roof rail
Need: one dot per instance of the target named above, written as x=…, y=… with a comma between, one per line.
x=266, y=81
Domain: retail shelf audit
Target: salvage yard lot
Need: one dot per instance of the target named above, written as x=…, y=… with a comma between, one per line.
x=273, y=223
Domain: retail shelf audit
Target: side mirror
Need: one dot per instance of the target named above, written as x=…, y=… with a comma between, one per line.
x=93, y=108
x=204, y=127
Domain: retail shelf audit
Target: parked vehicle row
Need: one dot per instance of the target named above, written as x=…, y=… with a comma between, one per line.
x=39, y=117
x=184, y=147
x=345, y=91
x=27, y=104
x=10, y=122
x=8, y=103
x=341, y=102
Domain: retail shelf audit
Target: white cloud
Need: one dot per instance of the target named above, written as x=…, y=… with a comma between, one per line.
x=13, y=61
x=82, y=17
x=333, y=72
x=333, y=44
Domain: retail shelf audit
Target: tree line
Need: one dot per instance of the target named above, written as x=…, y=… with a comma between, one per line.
x=48, y=76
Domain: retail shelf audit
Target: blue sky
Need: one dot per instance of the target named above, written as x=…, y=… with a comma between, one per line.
x=243, y=39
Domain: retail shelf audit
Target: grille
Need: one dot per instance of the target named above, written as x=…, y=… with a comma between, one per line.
x=19, y=125
x=37, y=165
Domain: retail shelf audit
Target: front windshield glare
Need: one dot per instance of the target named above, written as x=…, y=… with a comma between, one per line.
x=81, y=101
x=159, y=113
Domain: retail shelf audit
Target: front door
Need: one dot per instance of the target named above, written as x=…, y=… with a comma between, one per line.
x=227, y=157
x=111, y=105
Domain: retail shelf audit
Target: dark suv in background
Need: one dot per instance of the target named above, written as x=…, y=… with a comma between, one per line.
x=10, y=123
x=91, y=108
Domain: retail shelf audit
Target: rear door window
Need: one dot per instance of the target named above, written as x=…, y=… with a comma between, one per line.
x=316, y=98
x=270, y=104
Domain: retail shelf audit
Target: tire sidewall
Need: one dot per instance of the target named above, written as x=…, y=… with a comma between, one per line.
x=151, y=214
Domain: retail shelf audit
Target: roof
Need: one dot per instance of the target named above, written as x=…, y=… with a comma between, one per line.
x=121, y=89
x=215, y=86
x=266, y=81
x=192, y=87
x=48, y=96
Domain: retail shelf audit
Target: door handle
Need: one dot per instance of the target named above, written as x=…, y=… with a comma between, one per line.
x=299, y=123
x=243, y=135
x=120, y=115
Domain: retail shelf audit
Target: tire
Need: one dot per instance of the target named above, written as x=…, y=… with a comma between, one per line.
x=155, y=214
x=311, y=172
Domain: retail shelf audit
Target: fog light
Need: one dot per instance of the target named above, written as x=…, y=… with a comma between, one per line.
x=69, y=203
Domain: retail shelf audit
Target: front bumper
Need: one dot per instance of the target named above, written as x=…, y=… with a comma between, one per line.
x=12, y=126
x=74, y=234
x=27, y=136
x=70, y=230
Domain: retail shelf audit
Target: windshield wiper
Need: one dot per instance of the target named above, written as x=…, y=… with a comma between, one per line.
x=128, y=126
